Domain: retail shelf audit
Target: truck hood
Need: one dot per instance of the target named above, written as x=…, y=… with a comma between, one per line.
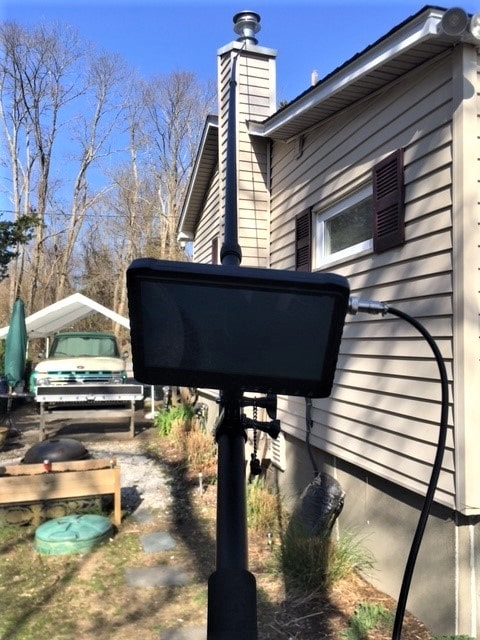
x=80, y=364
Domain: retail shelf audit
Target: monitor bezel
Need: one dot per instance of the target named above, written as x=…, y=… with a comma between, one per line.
x=255, y=279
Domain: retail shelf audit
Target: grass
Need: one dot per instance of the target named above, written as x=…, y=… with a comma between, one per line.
x=368, y=616
x=262, y=507
x=315, y=563
x=308, y=563
x=86, y=596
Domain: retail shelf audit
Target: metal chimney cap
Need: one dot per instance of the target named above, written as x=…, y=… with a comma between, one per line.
x=246, y=25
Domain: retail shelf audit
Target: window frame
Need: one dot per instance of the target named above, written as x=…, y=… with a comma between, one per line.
x=323, y=214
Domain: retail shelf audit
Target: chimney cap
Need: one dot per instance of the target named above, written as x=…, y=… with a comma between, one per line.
x=246, y=25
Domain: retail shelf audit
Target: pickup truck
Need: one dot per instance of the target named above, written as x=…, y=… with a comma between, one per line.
x=80, y=358
x=84, y=370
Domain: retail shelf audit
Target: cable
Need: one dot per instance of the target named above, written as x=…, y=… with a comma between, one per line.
x=375, y=307
x=309, y=423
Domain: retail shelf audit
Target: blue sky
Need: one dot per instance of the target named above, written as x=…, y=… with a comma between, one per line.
x=160, y=36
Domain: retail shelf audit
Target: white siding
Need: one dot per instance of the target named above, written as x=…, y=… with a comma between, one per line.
x=384, y=410
x=466, y=280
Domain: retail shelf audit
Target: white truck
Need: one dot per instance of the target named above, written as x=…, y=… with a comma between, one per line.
x=83, y=370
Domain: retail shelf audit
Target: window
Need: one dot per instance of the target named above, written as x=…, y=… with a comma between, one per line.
x=345, y=228
x=372, y=218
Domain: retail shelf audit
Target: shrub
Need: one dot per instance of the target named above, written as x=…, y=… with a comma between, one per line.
x=349, y=554
x=185, y=434
x=262, y=507
x=200, y=451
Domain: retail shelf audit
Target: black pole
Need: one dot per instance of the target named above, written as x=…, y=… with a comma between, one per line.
x=231, y=252
x=232, y=599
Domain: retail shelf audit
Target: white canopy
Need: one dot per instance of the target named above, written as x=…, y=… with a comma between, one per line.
x=63, y=314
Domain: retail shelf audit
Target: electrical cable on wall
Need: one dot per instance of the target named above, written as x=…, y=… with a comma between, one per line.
x=374, y=307
x=309, y=423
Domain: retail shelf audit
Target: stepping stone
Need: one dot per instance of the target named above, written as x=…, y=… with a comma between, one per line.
x=157, y=541
x=143, y=516
x=192, y=633
x=155, y=577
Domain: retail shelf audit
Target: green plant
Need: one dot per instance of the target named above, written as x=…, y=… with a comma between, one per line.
x=165, y=421
x=349, y=554
x=313, y=563
x=262, y=506
x=367, y=617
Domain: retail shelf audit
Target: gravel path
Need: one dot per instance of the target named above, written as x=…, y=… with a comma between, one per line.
x=144, y=485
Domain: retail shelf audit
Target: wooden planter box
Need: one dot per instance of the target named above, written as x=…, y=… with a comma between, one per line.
x=23, y=483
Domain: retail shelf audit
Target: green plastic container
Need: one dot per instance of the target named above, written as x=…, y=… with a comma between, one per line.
x=72, y=534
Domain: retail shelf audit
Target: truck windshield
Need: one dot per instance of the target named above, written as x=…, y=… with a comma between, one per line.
x=72, y=346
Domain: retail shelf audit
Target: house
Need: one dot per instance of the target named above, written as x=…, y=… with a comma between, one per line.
x=373, y=173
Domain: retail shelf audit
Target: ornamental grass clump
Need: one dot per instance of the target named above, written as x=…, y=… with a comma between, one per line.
x=185, y=433
x=314, y=563
x=262, y=507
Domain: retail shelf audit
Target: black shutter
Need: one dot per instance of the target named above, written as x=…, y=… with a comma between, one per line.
x=303, y=241
x=388, y=203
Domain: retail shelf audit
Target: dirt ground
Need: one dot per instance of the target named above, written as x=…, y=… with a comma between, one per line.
x=86, y=597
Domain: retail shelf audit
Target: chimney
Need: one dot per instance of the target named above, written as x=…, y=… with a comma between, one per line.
x=255, y=101
x=247, y=25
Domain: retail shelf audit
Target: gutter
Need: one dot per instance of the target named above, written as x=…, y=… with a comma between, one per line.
x=388, y=48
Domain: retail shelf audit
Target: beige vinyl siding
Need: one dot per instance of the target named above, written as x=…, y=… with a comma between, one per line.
x=209, y=226
x=384, y=410
x=324, y=172
x=255, y=99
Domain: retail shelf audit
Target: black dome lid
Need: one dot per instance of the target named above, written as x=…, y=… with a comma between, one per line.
x=56, y=450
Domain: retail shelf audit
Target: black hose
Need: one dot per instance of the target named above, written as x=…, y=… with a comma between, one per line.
x=437, y=465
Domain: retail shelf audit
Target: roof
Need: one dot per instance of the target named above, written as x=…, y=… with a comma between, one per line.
x=63, y=314
x=409, y=45
x=203, y=169
x=412, y=43
x=416, y=41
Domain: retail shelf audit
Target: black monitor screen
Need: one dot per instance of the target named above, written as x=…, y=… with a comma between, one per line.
x=234, y=327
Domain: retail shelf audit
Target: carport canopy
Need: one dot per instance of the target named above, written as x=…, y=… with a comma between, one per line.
x=63, y=314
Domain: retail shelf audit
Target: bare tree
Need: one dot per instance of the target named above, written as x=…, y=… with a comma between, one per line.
x=164, y=120
x=59, y=107
x=177, y=106
x=37, y=82
x=93, y=131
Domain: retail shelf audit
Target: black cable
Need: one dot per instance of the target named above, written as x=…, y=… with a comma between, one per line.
x=437, y=465
x=309, y=423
